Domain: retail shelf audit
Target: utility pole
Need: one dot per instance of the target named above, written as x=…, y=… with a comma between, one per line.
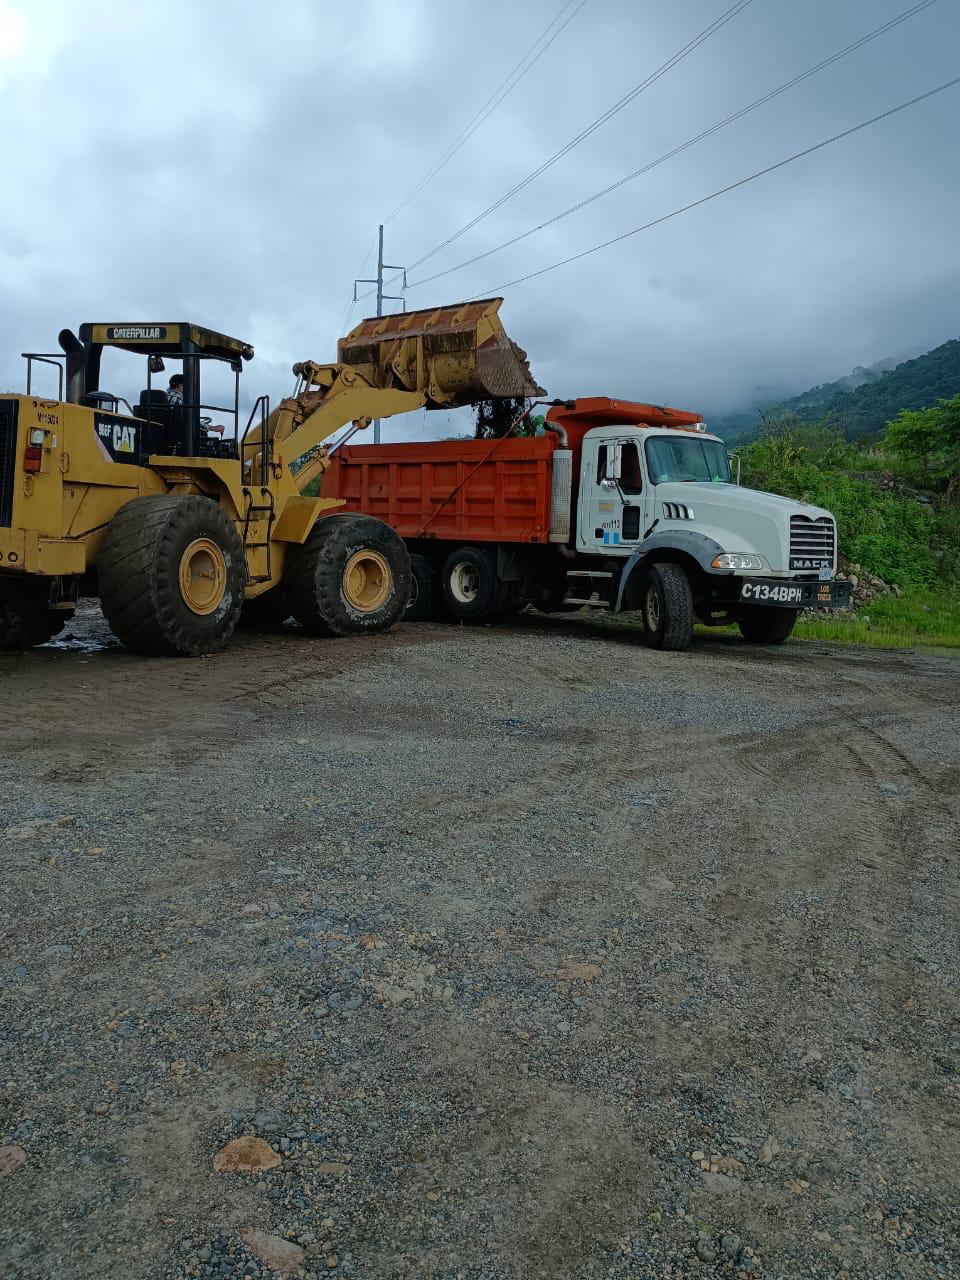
x=381, y=299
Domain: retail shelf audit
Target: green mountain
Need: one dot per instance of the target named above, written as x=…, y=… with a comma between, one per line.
x=865, y=400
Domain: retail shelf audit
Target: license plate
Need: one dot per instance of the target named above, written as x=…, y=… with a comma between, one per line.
x=795, y=595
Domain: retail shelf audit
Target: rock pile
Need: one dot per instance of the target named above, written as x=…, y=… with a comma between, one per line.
x=867, y=587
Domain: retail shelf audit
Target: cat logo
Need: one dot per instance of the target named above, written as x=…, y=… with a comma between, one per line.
x=136, y=333
x=124, y=439
x=117, y=437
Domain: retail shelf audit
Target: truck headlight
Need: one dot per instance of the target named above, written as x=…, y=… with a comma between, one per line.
x=737, y=560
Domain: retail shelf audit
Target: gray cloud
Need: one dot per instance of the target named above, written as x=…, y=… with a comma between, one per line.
x=228, y=162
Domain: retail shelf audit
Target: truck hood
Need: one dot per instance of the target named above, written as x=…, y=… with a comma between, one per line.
x=744, y=520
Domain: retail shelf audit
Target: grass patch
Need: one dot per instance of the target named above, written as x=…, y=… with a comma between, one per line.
x=917, y=618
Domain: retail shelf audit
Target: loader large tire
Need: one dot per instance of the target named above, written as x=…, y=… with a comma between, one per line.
x=352, y=574
x=172, y=571
x=25, y=619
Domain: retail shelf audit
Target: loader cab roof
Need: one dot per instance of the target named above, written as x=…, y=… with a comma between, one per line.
x=189, y=426
x=161, y=339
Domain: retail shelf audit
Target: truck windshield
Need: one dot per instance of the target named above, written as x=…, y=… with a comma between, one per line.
x=687, y=458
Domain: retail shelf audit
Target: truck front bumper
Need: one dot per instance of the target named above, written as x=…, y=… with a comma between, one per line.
x=781, y=594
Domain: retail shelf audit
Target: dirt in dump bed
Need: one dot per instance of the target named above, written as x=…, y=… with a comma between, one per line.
x=521, y=952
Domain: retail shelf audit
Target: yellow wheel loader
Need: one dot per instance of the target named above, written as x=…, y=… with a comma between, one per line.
x=178, y=529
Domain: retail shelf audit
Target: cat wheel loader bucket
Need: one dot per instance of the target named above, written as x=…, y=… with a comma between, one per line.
x=457, y=355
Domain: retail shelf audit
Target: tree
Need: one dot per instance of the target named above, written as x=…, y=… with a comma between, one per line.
x=928, y=436
x=496, y=417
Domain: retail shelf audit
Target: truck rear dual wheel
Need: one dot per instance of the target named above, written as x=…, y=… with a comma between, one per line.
x=426, y=603
x=764, y=625
x=25, y=619
x=172, y=570
x=470, y=587
x=666, y=605
x=352, y=574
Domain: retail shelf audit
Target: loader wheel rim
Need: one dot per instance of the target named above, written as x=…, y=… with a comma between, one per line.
x=653, y=608
x=367, y=580
x=203, y=576
x=465, y=583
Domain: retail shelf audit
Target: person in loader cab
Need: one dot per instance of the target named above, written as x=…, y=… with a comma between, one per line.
x=175, y=391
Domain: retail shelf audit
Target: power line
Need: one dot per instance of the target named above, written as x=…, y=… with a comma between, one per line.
x=353, y=299
x=668, y=155
x=470, y=129
x=798, y=155
x=727, y=16
x=502, y=90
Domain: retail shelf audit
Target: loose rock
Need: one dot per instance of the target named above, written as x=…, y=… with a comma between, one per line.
x=282, y=1255
x=245, y=1155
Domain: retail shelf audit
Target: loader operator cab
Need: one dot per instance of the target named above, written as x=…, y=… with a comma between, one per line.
x=151, y=423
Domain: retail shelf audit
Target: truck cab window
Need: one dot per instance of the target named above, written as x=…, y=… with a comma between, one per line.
x=687, y=458
x=631, y=474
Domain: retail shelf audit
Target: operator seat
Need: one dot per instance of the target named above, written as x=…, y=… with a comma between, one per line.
x=168, y=418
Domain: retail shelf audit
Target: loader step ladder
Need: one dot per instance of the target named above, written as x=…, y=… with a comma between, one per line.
x=255, y=458
x=256, y=513
x=581, y=588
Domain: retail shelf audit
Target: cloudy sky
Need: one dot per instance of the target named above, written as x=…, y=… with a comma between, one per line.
x=228, y=162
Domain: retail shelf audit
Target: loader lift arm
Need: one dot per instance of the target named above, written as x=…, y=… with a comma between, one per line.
x=443, y=358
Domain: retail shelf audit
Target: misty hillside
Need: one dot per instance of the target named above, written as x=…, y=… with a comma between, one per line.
x=865, y=400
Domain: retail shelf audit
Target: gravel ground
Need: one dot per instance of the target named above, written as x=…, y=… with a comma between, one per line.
x=529, y=952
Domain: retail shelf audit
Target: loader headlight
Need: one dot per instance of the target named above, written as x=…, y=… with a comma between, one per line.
x=737, y=560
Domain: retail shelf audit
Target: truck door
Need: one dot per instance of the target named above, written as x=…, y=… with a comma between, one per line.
x=614, y=496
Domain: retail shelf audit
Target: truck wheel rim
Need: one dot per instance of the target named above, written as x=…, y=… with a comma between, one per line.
x=367, y=580
x=653, y=608
x=203, y=576
x=464, y=583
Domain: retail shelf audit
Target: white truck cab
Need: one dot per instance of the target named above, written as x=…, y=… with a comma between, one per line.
x=635, y=481
x=662, y=527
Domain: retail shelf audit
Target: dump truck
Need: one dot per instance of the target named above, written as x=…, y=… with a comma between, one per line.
x=619, y=506
x=179, y=522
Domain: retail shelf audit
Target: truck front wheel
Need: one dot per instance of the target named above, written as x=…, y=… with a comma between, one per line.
x=352, y=574
x=470, y=587
x=767, y=626
x=666, y=605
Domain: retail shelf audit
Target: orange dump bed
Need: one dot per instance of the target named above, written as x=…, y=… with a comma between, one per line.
x=452, y=489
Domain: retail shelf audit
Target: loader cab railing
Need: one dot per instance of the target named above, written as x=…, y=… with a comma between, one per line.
x=256, y=454
x=54, y=358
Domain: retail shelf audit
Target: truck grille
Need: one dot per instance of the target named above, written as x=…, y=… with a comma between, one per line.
x=8, y=448
x=813, y=543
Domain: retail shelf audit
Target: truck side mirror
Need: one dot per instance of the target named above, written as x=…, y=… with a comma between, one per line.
x=156, y=364
x=735, y=457
x=613, y=467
